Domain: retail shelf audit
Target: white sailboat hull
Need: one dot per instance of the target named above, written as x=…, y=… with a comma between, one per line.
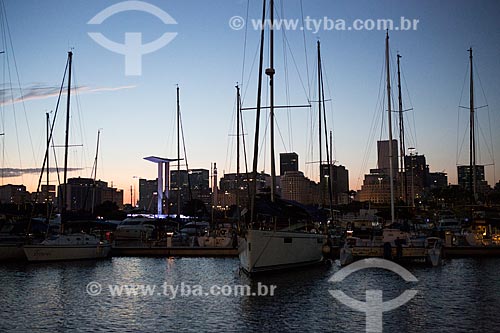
x=66, y=252
x=261, y=251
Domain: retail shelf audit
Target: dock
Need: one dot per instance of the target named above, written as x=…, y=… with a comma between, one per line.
x=143, y=249
x=471, y=251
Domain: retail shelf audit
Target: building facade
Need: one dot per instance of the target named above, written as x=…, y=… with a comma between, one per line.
x=465, y=178
x=288, y=162
x=340, y=183
x=148, y=197
x=384, y=159
x=84, y=193
x=14, y=194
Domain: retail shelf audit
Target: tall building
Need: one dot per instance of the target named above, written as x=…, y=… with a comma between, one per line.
x=383, y=156
x=83, y=193
x=288, y=162
x=148, y=197
x=417, y=172
x=199, y=179
x=465, y=178
x=375, y=188
x=200, y=185
x=437, y=180
x=295, y=186
x=195, y=182
x=340, y=183
x=228, y=185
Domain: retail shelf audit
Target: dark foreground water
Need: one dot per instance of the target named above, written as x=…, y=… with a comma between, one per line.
x=461, y=296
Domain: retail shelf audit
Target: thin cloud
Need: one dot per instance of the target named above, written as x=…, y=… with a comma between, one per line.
x=41, y=91
x=16, y=172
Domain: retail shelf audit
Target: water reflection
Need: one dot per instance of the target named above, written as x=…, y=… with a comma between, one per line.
x=461, y=296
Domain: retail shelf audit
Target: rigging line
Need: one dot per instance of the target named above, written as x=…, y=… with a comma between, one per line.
x=488, y=148
x=410, y=103
x=285, y=39
x=329, y=91
x=311, y=137
x=287, y=88
x=247, y=85
x=310, y=134
x=185, y=158
x=458, y=111
x=263, y=145
x=281, y=136
x=245, y=43
x=462, y=144
x=305, y=52
x=11, y=90
x=323, y=112
x=370, y=138
x=489, y=118
x=477, y=145
x=51, y=132
x=85, y=153
x=244, y=148
x=17, y=75
x=230, y=140
x=410, y=134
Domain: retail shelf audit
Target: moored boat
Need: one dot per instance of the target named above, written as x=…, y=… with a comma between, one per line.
x=269, y=250
x=68, y=247
x=283, y=236
x=221, y=237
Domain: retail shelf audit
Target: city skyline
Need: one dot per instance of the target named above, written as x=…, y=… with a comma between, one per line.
x=206, y=59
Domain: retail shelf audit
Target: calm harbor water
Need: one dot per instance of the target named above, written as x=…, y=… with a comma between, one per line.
x=461, y=296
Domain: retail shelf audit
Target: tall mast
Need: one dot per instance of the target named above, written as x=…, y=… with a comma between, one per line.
x=48, y=170
x=95, y=174
x=472, y=138
x=178, y=156
x=389, y=125
x=270, y=72
x=66, y=142
x=238, y=111
x=257, y=116
x=402, y=148
x=319, y=124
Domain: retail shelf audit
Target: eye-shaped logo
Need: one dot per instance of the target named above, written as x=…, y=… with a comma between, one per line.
x=133, y=49
x=374, y=307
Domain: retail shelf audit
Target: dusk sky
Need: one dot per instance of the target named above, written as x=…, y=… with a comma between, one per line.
x=207, y=57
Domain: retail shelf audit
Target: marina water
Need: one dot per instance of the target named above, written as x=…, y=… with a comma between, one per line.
x=463, y=295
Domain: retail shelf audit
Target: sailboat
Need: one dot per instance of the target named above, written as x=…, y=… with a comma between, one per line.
x=268, y=242
x=71, y=246
x=393, y=243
